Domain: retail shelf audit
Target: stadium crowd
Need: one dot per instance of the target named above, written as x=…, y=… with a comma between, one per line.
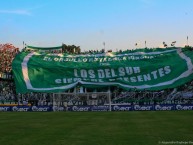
x=7, y=87
x=7, y=54
x=182, y=94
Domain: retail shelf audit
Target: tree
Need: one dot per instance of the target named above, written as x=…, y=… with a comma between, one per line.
x=71, y=49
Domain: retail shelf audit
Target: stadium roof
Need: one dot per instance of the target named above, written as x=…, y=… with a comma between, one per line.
x=43, y=48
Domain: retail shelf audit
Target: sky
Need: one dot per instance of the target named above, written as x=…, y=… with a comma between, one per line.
x=89, y=23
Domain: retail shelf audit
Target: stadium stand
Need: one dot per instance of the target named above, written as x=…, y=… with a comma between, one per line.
x=81, y=95
x=7, y=87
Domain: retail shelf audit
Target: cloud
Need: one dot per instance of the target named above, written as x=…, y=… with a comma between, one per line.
x=17, y=12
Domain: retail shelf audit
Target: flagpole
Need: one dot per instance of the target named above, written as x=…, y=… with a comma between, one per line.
x=145, y=45
x=187, y=40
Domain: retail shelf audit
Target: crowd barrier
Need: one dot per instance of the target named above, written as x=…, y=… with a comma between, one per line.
x=167, y=107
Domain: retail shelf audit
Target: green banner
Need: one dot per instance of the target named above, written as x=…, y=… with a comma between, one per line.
x=149, y=69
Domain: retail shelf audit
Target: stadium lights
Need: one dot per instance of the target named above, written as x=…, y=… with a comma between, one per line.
x=173, y=43
x=165, y=45
x=136, y=45
x=187, y=41
x=104, y=45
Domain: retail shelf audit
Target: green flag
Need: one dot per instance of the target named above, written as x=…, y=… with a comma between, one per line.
x=150, y=69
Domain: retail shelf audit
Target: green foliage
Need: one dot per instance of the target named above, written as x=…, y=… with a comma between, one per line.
x=72, y=49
